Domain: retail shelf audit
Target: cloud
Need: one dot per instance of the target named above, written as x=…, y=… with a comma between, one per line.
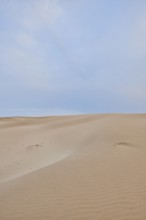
x=42, y=13
x=32, y=13
x=25, y=40
x=135, y=94
x=23, y=54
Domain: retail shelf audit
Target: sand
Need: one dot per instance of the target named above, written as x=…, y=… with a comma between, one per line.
x=73, y=167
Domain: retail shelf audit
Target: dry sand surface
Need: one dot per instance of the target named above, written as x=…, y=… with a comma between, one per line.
x=73, y=167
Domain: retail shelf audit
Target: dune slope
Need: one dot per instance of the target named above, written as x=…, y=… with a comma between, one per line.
x=73, y=167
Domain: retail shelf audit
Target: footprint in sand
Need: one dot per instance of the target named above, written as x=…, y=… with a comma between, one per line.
x=123, y=144
x=34, y=147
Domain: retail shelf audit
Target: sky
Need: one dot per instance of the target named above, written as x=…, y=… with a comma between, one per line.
x=60, y=57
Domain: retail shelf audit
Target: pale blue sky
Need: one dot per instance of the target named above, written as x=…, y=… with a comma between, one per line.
x=72, y=56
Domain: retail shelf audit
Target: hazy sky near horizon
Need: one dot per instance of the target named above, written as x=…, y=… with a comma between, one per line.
x=72, y=56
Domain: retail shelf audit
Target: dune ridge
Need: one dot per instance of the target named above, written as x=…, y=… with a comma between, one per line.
x=73, y=167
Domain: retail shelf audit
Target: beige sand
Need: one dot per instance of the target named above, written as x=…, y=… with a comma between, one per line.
x=73, y=167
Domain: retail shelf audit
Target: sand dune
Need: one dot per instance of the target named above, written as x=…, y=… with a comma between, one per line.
x=73, y=167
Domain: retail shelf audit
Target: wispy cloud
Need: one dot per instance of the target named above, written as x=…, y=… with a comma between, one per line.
x=24, y=49
x=40, y=13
